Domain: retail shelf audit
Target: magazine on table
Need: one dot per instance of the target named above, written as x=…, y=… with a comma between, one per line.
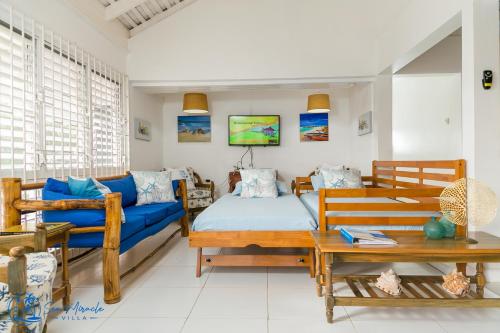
x=366, y=237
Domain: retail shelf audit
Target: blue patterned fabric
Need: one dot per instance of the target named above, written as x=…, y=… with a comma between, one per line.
x=41, y=270
x=281, y=187
x=153, y=187
x=258, y=183
x=126, y=186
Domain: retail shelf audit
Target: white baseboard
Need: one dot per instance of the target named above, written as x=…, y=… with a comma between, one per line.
x=492, y=271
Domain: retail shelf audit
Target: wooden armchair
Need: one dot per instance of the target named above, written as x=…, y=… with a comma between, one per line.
x=202, y=196
x=15, y=274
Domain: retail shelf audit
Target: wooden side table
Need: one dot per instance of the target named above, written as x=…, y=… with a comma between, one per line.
x=417, y=291
x=57, y=234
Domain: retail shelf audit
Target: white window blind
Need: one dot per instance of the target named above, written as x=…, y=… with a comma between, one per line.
x=62, y=111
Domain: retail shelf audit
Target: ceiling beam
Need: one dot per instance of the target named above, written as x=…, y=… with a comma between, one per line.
x=120, y=7
x=158, y=17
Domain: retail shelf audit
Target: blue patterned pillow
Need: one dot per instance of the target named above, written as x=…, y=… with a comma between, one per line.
x=345, y=178
x=258, y=183
x=153, y=187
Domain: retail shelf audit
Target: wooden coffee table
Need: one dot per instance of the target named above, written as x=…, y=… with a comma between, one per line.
x=57, y=234
x=418, y=291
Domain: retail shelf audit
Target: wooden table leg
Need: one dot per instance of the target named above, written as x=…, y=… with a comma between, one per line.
x=462, y=267
x=329, y=300
x=65, y=272
x=480, y=279
x=319, y=287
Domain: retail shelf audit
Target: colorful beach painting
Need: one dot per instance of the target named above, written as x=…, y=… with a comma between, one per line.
x=313, y=127
x=194, y=129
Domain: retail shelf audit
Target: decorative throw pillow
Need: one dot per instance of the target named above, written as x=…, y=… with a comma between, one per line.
x=282, y=187
x=183, y=173
x=89, y=188
x=237, y=189
x=345, y=178
x=317, y=182
x=258, y=183
x=326, y=166
x=153, y=187
x=83, y=187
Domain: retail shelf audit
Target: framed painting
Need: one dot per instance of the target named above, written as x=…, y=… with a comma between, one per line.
x=313, y=127
x=365, y=123
x=142, y=129
x=194, y=129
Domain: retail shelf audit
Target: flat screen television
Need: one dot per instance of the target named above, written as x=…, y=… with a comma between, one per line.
x=254, y=130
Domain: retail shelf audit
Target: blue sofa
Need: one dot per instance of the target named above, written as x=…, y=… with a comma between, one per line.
x=96, y=228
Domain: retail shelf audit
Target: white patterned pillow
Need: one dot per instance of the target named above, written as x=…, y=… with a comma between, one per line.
x=326, y=166
x=258, y=183
x=344, y=178
x=153, y=187
x=183, y=173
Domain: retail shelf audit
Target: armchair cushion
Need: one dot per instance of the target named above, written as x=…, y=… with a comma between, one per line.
x=154, y=213
x=199, y=193
x=41, y=271
x=135, y=224
x=80, y=218
x=200, y=203
x=57, y=186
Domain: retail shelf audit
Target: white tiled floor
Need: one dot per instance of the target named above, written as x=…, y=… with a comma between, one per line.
x=165, y=296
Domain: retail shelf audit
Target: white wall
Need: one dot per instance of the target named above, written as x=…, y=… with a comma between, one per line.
x=444, y=57
x=363, y=148
x=260, y=39
x=427, y=117
x=293, y=158
x=146, y=155
x=62, y=19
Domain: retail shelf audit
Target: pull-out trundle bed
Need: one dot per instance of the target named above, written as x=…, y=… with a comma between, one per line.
x=232, y=222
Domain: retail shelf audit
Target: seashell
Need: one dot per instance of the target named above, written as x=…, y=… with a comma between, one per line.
x=456, y=283
x=389, y=282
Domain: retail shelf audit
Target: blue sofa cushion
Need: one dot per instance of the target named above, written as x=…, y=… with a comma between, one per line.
x=134, y=225
x=79, y=217
x=126, y=186
x=155, y=212
x=83, y=187
x=55, y=185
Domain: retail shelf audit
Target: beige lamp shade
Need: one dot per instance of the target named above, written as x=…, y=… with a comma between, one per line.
x=318, y=103
x=195, y=103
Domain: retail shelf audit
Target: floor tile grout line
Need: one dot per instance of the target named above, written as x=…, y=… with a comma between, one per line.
x=196, y=300
x=267, y=300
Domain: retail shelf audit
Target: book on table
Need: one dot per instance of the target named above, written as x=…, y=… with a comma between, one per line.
x=366, y=237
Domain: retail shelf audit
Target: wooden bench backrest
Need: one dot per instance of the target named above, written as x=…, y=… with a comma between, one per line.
x=416, y=185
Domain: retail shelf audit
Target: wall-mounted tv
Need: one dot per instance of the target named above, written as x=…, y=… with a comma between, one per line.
x=254, y=130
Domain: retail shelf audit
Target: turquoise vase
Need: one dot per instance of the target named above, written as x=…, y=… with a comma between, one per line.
x=434, y=230
x=449, y=228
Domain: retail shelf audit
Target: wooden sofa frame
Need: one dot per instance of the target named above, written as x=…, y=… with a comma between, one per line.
x=414, y=184
x=13, y=206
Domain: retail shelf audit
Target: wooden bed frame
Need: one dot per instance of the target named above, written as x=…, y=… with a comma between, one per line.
x=264, y=239
x=422, y=181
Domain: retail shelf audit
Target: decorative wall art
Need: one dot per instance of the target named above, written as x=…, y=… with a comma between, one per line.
x=142, y=129
x=314, y=127
x=194, y=129
x=365, y=123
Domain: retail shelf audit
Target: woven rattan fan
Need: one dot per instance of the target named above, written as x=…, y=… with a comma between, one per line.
x=468, y=202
